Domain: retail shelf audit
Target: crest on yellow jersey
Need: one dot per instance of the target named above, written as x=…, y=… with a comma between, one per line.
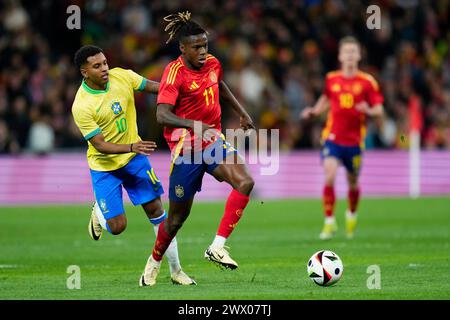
x=116, y=107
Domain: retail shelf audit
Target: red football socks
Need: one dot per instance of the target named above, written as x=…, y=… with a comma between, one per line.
x=353, y=199
x=163, y=241
x=234, y=208
x=329, y=199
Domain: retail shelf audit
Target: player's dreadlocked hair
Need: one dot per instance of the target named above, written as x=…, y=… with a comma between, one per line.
x=180, y=25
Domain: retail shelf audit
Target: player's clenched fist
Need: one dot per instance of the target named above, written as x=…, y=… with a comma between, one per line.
x=246, y=123
x=209, y=133
x=307, y=113
x=143, y=147
x=363, y=107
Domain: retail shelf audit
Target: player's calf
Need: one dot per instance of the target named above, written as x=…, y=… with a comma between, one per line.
x=174, y=225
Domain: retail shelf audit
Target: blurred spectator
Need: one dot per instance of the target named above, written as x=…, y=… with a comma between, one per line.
x=15, y=17
x=136, y=17
x=381, y=134
x=275, y=55
x=41, y=139
x=8, y=143
x=18, y=120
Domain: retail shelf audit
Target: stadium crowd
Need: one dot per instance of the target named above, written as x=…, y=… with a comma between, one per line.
x=275, y=55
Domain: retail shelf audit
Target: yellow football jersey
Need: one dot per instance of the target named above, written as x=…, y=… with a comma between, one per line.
x=111, y=112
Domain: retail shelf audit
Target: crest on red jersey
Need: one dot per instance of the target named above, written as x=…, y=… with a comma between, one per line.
x=357, y=88
x=213, y=76
x=336, y=87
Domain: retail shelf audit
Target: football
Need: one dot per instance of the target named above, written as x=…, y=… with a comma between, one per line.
x=325, y=268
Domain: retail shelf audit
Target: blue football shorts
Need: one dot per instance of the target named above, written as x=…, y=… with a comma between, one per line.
x=188, y=170
x=138, y=179
x=349, y=156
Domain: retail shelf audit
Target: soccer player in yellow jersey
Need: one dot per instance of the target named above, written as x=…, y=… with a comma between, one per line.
x=105, y=113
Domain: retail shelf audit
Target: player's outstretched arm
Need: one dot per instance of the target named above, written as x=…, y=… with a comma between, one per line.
x=166, y=117
x=320, y=107
x=151, y=86
x=227, y=96
x=142, y=147
x=374, y=111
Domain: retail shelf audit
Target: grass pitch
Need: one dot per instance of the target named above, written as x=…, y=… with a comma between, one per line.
x=408, y=239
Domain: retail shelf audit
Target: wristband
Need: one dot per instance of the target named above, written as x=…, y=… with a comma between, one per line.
x=131, y=147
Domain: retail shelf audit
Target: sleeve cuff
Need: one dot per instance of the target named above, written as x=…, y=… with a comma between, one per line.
x=142, y=86
x=93, y=133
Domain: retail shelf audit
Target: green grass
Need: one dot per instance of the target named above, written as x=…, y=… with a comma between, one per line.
x=408, y=239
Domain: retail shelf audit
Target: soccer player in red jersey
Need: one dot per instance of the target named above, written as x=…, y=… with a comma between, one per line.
x=351, y=95
x=188, y=98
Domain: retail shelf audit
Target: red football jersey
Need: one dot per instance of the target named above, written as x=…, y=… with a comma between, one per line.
x=345, y=125
x=194, y=95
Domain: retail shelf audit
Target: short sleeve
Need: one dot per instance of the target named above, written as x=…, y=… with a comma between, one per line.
x=374, y=95
x=169, y=88
x=137, y=81
x=326, y=88
x=217, y=67
x=220, y=70
x=85, y=122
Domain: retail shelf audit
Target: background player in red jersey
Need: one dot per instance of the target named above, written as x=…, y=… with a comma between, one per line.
x=351, y=95
x=188, y=97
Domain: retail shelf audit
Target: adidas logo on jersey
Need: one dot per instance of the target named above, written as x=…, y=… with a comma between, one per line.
x=194, y=86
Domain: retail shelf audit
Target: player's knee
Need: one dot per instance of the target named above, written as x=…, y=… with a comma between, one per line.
x=174, y=225
x=352, y=180
x=245, y=186
x=330, y=174
x=330, y=177
x=117, y=226
x=118, y=229
x=329, y=181
x=173, y=228
x=353, y=185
